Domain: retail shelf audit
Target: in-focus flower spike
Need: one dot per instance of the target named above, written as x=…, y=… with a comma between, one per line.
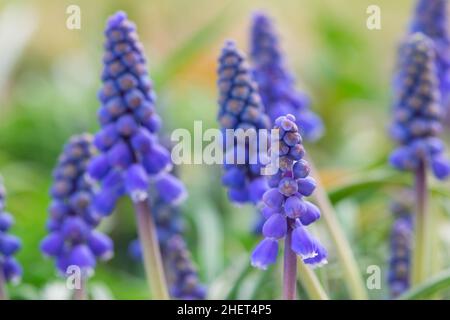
x=72, y=238
x=285, y=210
x=430, y=18
x=240, y=107
x=10, y=269
x=181, y=274
x=418, y=113
x=401, y=244
x=128, y=140
x=276, y=83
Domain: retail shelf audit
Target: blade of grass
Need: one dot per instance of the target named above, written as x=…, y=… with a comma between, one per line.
x=429, y=287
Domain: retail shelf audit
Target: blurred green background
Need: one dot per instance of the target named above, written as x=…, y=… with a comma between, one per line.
x=49, y=76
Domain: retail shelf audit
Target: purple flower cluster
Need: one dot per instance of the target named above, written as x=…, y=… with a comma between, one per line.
x=400, y=246
x=241, y=108
x=276, y=84
x=72, y=238
x=430, y=18
x=130, y=151
x=181, y=274
x=9, y=244
x=285, y=208
x=417, y=110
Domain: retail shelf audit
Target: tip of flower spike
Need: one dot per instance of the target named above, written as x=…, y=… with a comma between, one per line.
x=230, y=46
x=259, y=16
x=418, y=43
x=116, y=19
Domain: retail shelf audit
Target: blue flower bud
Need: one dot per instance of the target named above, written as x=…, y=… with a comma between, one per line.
x=126, y=125
x=157, y=160
x=275, y=226
x=294, y=207
x=52, y=244
x=320, y=259
x=98, y=167
x=6, y=221
x=288, y=186
x=170, y=189
x=301, y=169
x=136, y=182
x=12, y=270
x=82, y=257
x=105, y=138
x=306, y=186
x=142, y=141
x=265, y=253
x=234, y=178
x=311, y=213
x=273, y=198
x=101, y=245
x=441, y=167
x=303, y=243
x=120, y=155
x=9, y=244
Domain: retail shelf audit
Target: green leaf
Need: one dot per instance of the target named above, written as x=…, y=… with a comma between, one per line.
x=379, y=179
x=428, y=288
x=228, y=281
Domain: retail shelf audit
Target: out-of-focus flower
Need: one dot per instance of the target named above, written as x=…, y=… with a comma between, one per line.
x=417, y=111
x=285, y=208
x=9, y=244
x=276, y=83
x=72, y=238
x=240, y=107
x=181, y=274
x=430, y=18
x=130, y=154
x=400, y=245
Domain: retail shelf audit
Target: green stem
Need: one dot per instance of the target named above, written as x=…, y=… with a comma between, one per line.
x=290, y=268
x=311, y=283
x=421, y=228
x=81, y=292
x=151, y=252
x=3, y=293
x=352, y=276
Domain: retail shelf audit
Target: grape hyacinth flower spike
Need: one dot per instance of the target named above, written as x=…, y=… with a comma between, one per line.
x=431, y=19
x=281, y=97
x=400, y=245
x=417, y=123
x=10, y=270
x=182, y=276
x=286, y=211
x=240, y=107
x=276, y=84
x=130, y=154
x=72, y=240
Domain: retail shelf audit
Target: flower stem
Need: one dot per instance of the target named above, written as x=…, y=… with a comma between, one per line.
x=3, y=293
x=311, y=283
x=352, y=275
x=151, y=252
x=81, y=292
x=290, y=268
x=421, y=227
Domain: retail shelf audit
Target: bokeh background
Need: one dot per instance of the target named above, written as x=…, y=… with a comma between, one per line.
x=49, y=76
